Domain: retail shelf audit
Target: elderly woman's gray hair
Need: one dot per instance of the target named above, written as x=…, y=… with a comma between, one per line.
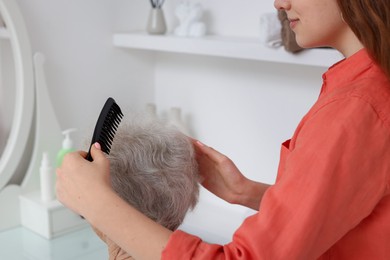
x=153, y=168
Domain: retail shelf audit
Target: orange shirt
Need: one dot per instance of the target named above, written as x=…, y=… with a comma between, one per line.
x=331, y=199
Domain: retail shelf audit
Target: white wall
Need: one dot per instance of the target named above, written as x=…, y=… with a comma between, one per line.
x=244, y=109
x=83, y=68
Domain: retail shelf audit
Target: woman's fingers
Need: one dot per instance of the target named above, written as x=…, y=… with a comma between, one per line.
x=210, y=152
x=96, y=152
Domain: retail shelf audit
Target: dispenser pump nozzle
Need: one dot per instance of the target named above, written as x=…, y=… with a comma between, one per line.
x=67, y=143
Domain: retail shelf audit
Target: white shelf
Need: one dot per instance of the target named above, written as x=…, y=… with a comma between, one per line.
x=229, y=47
x=4, y=34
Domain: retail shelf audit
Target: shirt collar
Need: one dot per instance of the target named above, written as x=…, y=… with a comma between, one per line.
x=346, y=70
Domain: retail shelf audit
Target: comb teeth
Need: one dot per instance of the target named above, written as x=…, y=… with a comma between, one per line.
x=108, y=122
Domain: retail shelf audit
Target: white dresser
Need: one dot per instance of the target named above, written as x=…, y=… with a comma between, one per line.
x=22, y=244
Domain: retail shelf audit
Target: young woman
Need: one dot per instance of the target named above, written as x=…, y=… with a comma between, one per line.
x=331, y=199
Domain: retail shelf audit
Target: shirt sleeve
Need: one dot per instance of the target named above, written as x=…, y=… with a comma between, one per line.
x=333, y=177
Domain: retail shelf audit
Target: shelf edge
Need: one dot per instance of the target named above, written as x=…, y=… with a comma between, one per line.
x=228, y=47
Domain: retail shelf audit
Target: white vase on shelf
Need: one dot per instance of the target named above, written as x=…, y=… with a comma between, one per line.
x=151, y=111
x=156, y=21
x=175, y=119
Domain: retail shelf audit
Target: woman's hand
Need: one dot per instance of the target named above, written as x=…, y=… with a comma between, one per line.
x=220, y=176
x=85, y=187
x=79, y=182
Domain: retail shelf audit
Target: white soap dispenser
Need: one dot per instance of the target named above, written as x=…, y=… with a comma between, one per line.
x=46, y=179
x=67, y=146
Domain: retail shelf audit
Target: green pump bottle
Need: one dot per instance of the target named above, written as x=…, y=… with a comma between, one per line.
x=67, y=146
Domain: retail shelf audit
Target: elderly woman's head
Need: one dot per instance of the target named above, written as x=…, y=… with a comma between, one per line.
x=153, y=168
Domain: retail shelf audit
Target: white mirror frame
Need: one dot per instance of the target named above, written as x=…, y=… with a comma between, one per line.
x=24, y=92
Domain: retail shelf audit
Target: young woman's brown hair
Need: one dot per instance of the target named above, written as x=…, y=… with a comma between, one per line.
x=370, y=21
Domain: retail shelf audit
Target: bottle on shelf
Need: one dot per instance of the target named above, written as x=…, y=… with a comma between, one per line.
x=175, y=119
x=151, y=111
x=46, y=175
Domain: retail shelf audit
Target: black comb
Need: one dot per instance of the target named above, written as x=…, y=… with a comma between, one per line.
x=106, y=126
